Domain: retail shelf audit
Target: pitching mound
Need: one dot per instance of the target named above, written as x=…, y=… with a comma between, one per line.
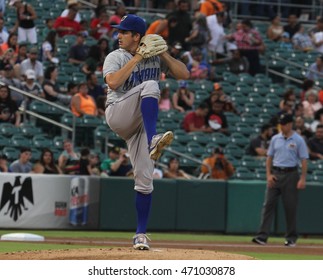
x=122, y=254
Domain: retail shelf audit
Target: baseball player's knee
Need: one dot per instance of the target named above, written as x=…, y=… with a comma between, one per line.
x=150, y=89
x=143, y=182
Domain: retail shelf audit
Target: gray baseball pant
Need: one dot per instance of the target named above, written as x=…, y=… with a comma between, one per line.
x=286, y=186
x=124, y=118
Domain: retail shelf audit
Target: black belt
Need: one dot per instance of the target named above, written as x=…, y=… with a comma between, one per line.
x=285, y=169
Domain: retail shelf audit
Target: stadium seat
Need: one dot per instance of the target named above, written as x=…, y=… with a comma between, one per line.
x=29, y=130
x=294, y=72
x=230, y=77
x=243, y=88
x=272, y=98
x=263, y=79
x=181, y=136
x=246, y=78
x=260, y=88
x=90, y=121
x=4, y=141
x=19, y=141
x=232, y=118
x=178, y=147
x=8, y=129
x=260, y=173
x=253, y=162
x=234, y=151
x=219, y=139
x=243, y=173
x=35, y=154
x=11, y=153
x=277, y=89
x=270, y=109
x=199, y=137
x=41, y=142
x=245, y=128
x=252, y=108
x=39, y=107
x=239, y=139
x=194, y=149
x=255, y=97
x=58, y=142
x=238, y=98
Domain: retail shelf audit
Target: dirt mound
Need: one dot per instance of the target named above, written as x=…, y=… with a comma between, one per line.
x=122, y=254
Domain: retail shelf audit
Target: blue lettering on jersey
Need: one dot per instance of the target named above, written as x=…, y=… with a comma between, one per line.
x=137, y=77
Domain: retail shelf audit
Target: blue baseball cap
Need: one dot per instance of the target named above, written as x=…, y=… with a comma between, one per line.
x=132, y=22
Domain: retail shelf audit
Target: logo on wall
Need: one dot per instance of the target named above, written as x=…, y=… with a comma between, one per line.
x=15, y=196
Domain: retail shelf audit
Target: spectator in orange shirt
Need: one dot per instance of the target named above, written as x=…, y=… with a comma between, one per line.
x=160, y=26
x=211, y=7
x=82, y=103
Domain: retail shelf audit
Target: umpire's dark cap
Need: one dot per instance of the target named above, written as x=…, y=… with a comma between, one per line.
x=285, y=119
x=132, y=22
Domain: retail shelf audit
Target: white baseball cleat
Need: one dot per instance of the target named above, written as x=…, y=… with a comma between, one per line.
x=140, y=242
x=158, y=143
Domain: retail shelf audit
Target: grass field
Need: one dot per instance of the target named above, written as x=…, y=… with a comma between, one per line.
x=20, y=246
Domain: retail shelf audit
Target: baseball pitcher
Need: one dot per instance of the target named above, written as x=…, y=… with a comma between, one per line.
x=132, y=74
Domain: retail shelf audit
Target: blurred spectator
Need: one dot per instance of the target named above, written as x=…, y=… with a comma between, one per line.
x=95, y=90
x=31, y=86
x=315, y=70
x=25, y=21
x=289, y=95
x=317, y=36
x=7, y=59
x=119, y=13
x=100, y=25
x=301, y=129
x=37, y=168
x=85, y=167
x=275, y=29
x=286, y=43
x=175, y=50
x=250, y=43
x=79, y=51
x=9, y=112
x=211, y=7
x=307, y=84
x=74, y=5
x=165, y=103
x=113, y=155
x=302, y=41
x=237, y=63
x=3, y=163
x=292, y=25
x=315, y=144
x=199, y=35
x=4, y=35
x=68, y=160
x=216, y=44
x=173, y=170
x=49, y=50
x=47, y=160
x=94, y=164
x=34, y=64
x=195, y=120
x=216, y=117
x=49, y=26
x=51, y=88
x=82, y=103
x=160, y=26
x=198, y=67
x=299, y=110
x=67, y=25
x=183, y=98
x=259, y=145
x=23, y=164
x=318, y=119
x=180, y=31
x=2, y=7
x=10, y=80
x=11, y=43
x=101, y=5
x=72, y=89
x=311, y=104
x=22, y=55
x=93, y=60
x=220, y=166
x=117, y=163
x=158, y=173
x=103, y=43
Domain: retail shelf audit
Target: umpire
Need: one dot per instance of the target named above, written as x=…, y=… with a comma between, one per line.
x=286, y=150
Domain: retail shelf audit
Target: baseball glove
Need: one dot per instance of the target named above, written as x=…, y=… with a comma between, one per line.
x=151, y=45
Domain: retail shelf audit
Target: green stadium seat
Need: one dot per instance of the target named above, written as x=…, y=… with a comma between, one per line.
x=246, y=78
x=29, y=130
x=252, y=108
x=11, y=153
x=243, y=173
x=238, y=98
x=230, y=77
x=19, y=141
x=4, y=141
x=243, y=88
x=245, y=128
x=254, y=97
x=58, y=142
x=200, y=137
x=41, y=142
x=234, y=151
x=194, y=149
x=263, y=79
x=220, y=139
x=260, y=88
x=178, y=147
x=294, y=72
x=232, y=118
x=272, y=98
x=35, y=155
x=252, y=162
x=181, y=136
x=239, y=139
x=8, y=129
x=277, y=89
